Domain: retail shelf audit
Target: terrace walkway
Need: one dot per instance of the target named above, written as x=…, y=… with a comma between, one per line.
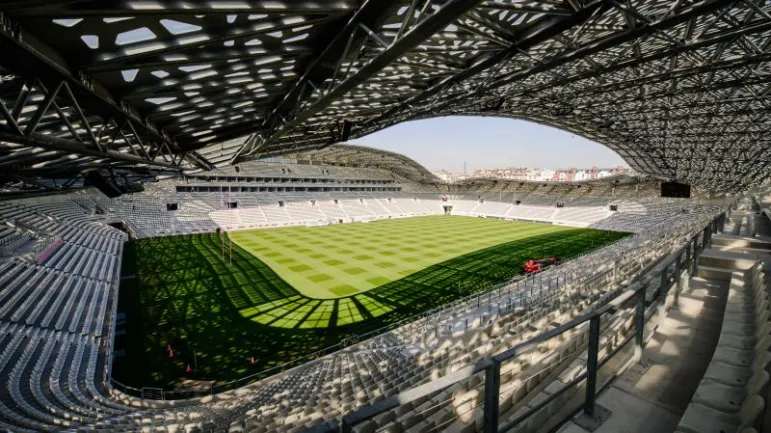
x=653, y=395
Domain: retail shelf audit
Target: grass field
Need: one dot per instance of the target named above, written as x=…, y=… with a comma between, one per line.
x=292, y=291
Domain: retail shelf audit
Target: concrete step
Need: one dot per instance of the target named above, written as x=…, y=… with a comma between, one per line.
x=741, y=242
x=714, y=273
x=729, y=260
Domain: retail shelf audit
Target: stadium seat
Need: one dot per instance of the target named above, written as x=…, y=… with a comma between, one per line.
x=55, y=315
x=702, y=419
x=727, y=398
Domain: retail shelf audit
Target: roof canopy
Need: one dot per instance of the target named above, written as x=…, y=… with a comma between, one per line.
x=361, y=156
x=678, y=88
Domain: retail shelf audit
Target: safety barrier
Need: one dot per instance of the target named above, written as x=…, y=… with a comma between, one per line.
x=518, y=285
x=685, y=258
x=518, y=292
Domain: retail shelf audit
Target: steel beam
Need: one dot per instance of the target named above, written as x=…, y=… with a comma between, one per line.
x=544, y=30
x=711, y=68
x=745, y=30
x=443, y=16
x=49, y=142
x=593, y=47
x=136, y=55
x=22, y=54
x=122, y=8
x=346, y=40
x=29, y=181
x=9, y=119
x=655, y=87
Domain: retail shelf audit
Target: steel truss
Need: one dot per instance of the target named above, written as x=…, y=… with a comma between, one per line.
x=678, y=88
x=58, y=138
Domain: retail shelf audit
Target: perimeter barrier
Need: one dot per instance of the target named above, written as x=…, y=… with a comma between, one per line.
x=650, y=295
x=521, y=292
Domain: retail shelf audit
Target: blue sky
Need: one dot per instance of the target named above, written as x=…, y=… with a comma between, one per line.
x=489, y=142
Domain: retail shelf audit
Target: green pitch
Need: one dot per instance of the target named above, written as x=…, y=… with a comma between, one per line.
x=292, y=291
x=342, y=260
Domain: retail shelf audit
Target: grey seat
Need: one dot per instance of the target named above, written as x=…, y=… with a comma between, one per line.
x=703, y=419
x=741, y=357
x=727, y=398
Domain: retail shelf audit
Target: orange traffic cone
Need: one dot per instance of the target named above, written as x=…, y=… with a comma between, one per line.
x=252, y=361
x=171, y=353
x=188, y=369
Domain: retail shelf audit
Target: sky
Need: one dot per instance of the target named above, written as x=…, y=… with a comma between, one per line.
x=489, y=142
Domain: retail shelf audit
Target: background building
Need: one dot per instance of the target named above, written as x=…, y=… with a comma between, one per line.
x=546, y=174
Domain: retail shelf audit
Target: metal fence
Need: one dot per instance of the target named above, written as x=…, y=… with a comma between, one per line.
x=665, y=274
x=521, y=292
x=547, y=283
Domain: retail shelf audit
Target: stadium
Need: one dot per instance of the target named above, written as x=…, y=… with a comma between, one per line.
x=189, y=244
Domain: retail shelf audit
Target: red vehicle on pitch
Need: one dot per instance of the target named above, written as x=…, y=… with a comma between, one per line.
x=533, y=266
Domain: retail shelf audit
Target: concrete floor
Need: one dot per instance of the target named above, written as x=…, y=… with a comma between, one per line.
x=650, y=397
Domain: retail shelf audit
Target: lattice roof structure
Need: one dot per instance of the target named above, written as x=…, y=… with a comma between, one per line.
x=361, y=156
x=341, y=155
x=678, y=88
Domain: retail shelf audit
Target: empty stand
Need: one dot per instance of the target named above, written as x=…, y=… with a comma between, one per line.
x=56, y=317
x=721, y=323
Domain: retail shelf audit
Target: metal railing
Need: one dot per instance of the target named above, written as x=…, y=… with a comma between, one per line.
x=685, y=258
x=488, y=304
x=517, y=285
x=112, y=323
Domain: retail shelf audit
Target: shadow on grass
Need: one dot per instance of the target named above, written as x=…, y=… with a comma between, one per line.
x=185, y=295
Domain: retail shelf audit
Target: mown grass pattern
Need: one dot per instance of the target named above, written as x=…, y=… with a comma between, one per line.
x=342, y=260
x=217, y=315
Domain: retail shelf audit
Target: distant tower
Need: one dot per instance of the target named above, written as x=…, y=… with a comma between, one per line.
x=464, y=168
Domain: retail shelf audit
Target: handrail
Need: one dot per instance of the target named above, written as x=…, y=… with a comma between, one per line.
x=236, y=383
x=466, y=302
x=420, y=391
x=689, y=251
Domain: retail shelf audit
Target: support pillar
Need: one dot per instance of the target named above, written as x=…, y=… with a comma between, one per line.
x=492, y=396
x=639, y=325
x=695, y=257
x=593, y=414
x=591, y=365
